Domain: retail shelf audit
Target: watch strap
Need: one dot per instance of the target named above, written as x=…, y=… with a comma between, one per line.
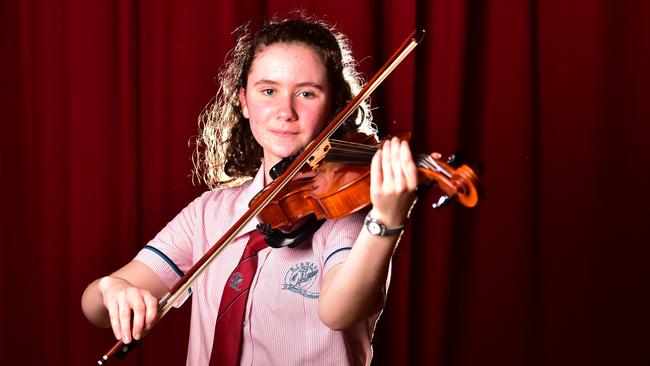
x=378, y=228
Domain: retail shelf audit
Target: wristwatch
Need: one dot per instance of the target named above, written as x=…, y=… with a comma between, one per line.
x=376, y=227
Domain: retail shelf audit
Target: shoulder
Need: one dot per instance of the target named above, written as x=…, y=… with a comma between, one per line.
x=342, y=232
x=348, y=225
x=219, y=196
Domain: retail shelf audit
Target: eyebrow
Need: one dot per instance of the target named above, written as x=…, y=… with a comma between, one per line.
x=305, y=83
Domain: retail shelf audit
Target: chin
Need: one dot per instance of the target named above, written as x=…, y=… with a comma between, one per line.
x=285, y=153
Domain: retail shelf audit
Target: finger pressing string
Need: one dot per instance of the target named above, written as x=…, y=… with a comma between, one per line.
x=376, y=177
x=387, y=169
x=396, y=165
x=410, y=171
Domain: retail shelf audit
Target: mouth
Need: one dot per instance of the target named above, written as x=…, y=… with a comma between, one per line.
x=284, y=133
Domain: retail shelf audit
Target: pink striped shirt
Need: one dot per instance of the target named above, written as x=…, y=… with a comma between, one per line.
x=281, y=323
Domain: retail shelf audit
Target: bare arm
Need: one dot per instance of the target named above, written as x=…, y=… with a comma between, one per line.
x=133, y=290
x=351, y=290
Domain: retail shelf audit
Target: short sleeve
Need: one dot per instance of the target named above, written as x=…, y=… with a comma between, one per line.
x=340, y=236
x=169, y=253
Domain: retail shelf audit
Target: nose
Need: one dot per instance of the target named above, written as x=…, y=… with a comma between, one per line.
x=286, y=109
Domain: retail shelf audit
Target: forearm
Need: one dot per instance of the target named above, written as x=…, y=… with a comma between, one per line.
x=93, y=307
x=126, y=300
x=352, y=290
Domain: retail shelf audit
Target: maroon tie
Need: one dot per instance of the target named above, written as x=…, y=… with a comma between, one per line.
x=226, y=349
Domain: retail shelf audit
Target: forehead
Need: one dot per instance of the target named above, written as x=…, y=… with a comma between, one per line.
x=288, y=45
x=285, y=60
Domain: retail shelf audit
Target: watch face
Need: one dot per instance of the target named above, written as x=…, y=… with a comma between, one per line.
x=374, y=228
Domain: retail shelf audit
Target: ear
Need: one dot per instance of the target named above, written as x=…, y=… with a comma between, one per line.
x=242, y=102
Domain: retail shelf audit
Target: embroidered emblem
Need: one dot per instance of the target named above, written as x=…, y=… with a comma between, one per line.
x=300, y=278
x=236, y=281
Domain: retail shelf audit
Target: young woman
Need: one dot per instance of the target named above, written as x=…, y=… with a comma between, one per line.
x=316, y=303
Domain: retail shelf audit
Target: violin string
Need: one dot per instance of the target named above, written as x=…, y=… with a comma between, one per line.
x=346, y=159
x=424, y=161
x=346, y=142
x=350, y=152
x=356, y=153
x=339, y=156
x=427, y=161
x=352, y=145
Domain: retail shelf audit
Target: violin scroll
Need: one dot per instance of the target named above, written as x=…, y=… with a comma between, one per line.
x=459, y=183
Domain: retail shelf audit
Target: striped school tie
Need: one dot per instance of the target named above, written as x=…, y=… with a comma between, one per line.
x=226, y=349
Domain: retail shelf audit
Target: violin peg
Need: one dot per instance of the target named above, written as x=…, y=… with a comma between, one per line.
x=456, y=159
x=451, y=160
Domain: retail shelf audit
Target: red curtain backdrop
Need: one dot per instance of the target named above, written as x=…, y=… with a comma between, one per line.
x=100, y=98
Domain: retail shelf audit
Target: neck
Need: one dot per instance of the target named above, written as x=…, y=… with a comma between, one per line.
x=268, y=164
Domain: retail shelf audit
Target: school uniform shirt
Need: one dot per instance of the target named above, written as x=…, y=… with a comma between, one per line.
x=281, y=322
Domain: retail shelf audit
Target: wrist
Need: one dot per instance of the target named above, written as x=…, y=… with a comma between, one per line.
x=106, y=282
x=390, y=220
x=377, y=227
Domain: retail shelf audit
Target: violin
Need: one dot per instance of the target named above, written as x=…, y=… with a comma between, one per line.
x=336, y=183
x=459, y=183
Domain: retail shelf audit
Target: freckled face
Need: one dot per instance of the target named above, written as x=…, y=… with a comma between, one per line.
x=287, y=99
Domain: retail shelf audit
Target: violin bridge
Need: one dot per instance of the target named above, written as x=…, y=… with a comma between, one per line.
x=319, y=154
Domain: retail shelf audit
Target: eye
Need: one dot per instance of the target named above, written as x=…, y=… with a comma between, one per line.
x=267, y=91
x=306, y=94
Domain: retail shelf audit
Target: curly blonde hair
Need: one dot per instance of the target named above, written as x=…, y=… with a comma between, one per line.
x=226, y=154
